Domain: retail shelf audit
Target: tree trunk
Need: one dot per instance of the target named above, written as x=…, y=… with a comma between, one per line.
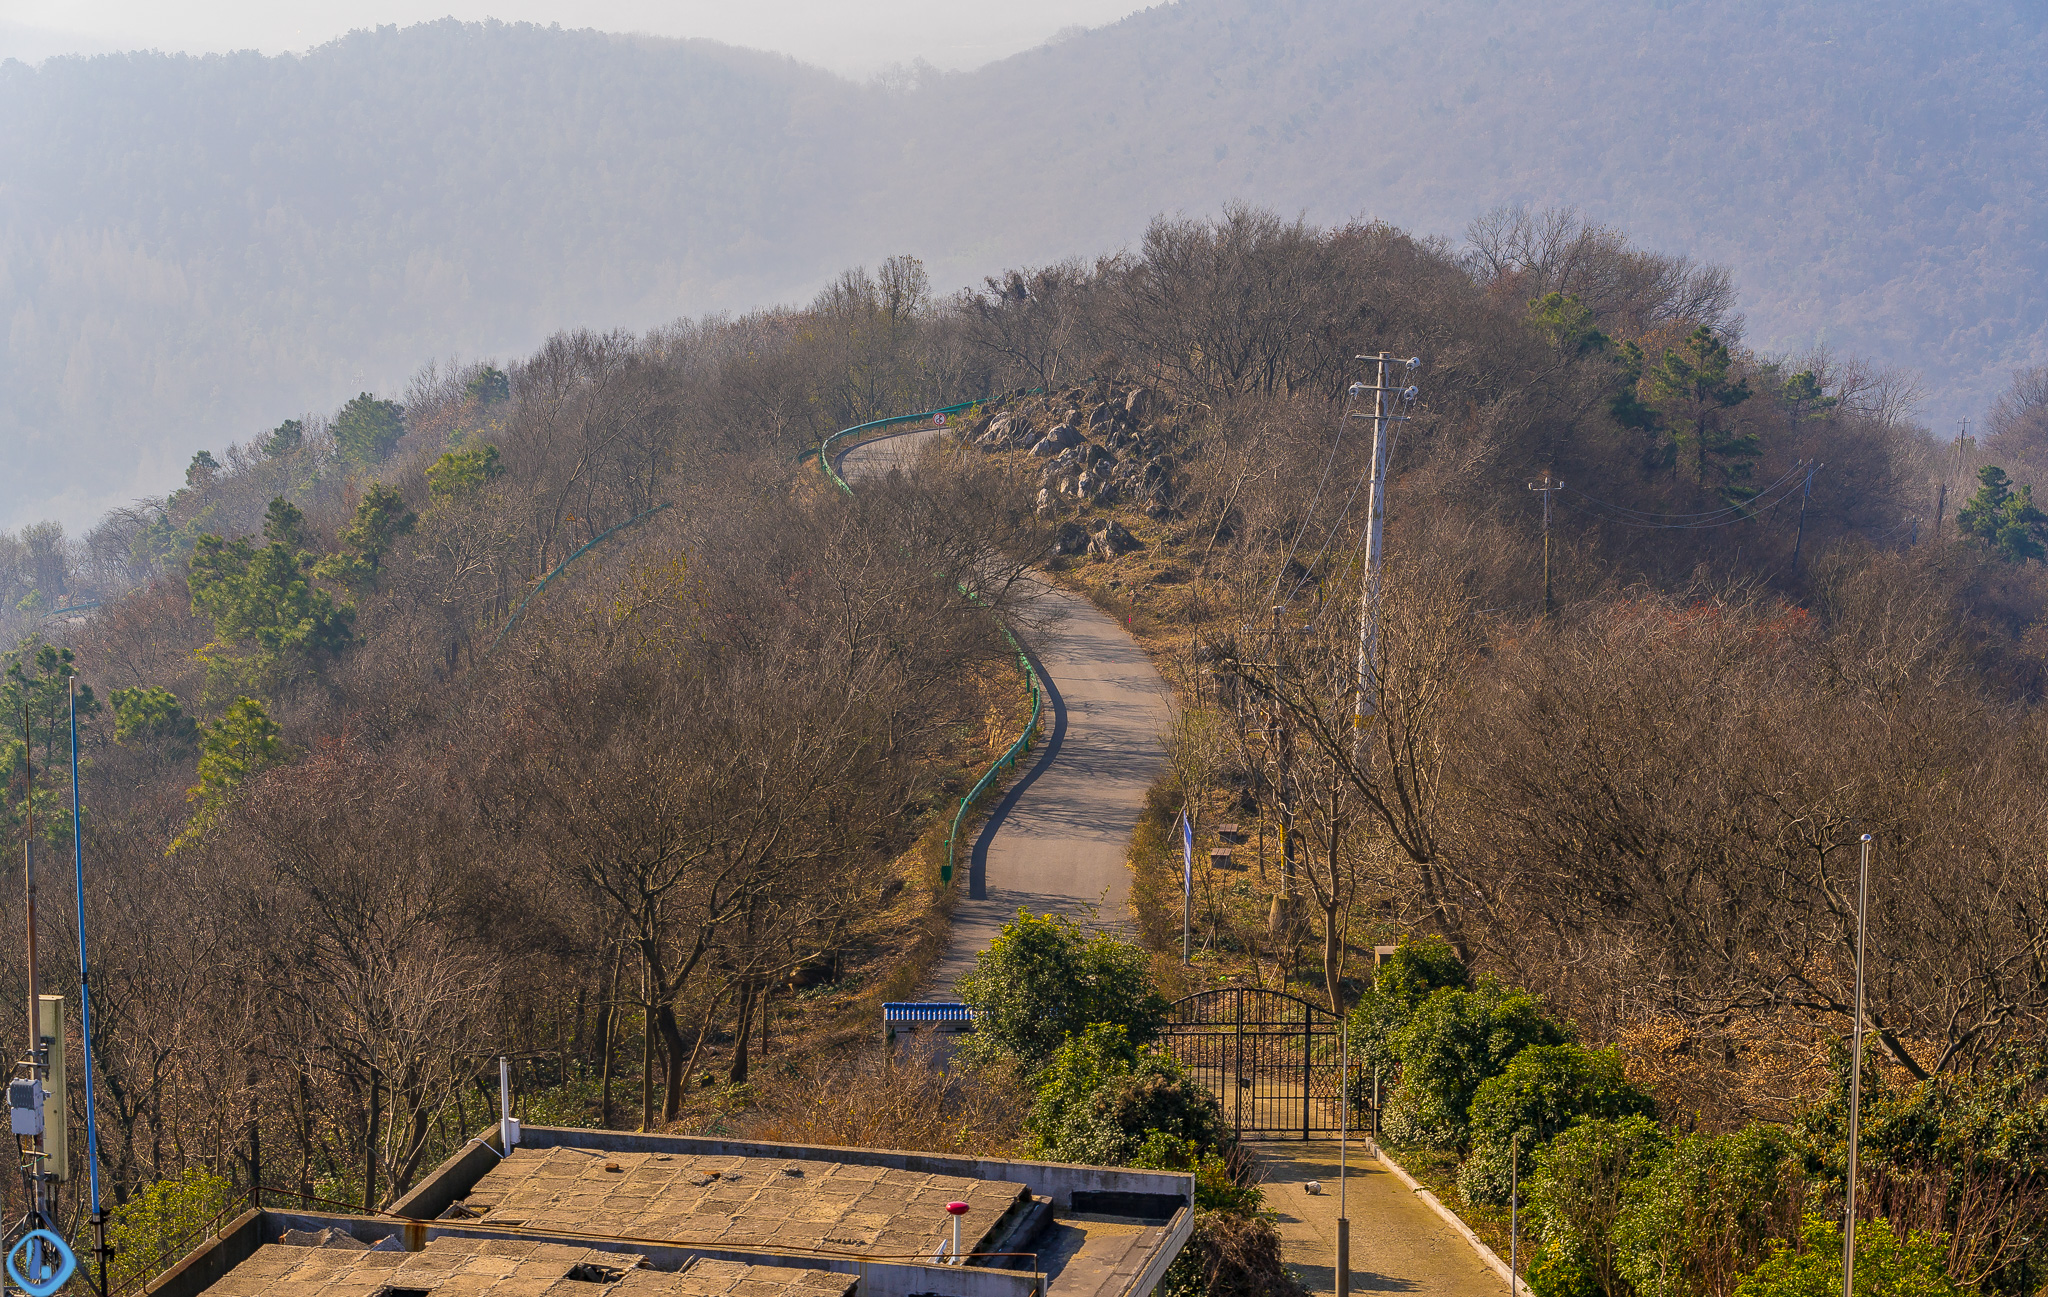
x=703, y=1030
x=607, y=1026
x=672, y=1045
x=646, y=1067
x=1333, y=955
x=738, y=1074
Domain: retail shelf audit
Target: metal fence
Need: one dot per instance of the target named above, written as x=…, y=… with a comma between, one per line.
x=1272, y=1059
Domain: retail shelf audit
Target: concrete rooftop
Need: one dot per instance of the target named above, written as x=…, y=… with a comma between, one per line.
x=475, y=1267
x=785, y=1203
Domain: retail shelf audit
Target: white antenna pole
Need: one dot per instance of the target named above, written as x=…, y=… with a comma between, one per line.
x=508, y=1125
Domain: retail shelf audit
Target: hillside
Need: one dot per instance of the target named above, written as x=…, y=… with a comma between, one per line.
x=194, y=248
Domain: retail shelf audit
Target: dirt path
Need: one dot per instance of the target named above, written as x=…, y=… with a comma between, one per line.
x=1055, y=843
x=1397, y=1243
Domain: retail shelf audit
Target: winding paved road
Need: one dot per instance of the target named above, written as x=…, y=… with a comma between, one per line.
x=1055, y=843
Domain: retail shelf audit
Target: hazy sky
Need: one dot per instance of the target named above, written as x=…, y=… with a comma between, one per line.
x=856, y=37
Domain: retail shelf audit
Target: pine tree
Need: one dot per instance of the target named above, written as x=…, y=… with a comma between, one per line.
x=2004, y=517
x=367, y=429
x=1692, y=389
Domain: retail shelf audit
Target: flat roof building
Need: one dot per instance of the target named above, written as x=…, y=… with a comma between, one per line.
x=597, y=1213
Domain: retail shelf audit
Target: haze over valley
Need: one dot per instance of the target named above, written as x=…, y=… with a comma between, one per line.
x=193, y=248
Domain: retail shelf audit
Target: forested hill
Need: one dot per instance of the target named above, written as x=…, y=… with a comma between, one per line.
x=192, y=248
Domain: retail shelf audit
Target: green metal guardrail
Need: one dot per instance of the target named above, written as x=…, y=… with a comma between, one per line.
x=1008, y=760
x=825, y=446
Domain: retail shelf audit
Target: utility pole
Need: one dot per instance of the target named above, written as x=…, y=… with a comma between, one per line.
x=1376, y=520
x=1955, y=466
x=1856, y=1074
x=1547, y=486
x=1805, y=494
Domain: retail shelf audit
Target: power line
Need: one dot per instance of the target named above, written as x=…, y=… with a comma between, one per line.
x=1689, y=519
x=1744, y=512
x=1343, y=417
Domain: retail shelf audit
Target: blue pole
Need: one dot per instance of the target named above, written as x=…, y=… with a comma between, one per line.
x=92, y=1142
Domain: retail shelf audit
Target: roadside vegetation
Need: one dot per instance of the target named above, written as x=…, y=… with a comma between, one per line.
x=1614, y=838
x=562, y=710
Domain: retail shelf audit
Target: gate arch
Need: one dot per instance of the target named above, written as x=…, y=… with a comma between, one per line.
x=1271, y=1058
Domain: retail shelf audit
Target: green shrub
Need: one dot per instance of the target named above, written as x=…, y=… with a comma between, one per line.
x=1561, y=1270
x=1403, y=982
x=1044, y=979
x=1216, y=1188
x=1708, y=1210
x=1455, y=1040
x=1960, y=1154
x=1544, y=1091
x=1885, y=1267
x=162, y=1223
x=1102, y=1099
x=1575, y=1193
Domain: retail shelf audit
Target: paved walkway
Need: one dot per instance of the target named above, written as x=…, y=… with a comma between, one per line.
x=1056, y=843
x=1398, y=1244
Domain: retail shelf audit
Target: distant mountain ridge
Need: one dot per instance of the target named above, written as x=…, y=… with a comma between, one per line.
x=194, y=248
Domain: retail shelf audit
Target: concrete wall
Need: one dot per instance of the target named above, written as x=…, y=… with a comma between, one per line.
x=236, y=1242
x=453, y=1179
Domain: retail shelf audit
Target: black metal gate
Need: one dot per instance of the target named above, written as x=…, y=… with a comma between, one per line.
x=1272, y=1059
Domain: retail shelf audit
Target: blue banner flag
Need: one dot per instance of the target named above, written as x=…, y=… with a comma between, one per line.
x=1187, y=852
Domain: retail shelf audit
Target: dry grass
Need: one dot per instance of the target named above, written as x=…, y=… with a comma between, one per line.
x=878, y=1097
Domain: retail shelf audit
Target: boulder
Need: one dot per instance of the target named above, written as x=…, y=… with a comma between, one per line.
x=1112, y=540
x=1139, y=403
x=1046, y=449
x=1072, y=538
x=1046, y=508
x=1065, y=434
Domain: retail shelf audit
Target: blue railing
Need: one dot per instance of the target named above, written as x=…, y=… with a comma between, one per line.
x=905, y=1013
x=926, y=1011
x=1008, y=760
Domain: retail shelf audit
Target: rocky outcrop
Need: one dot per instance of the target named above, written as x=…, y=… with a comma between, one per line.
x=1101, y=444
